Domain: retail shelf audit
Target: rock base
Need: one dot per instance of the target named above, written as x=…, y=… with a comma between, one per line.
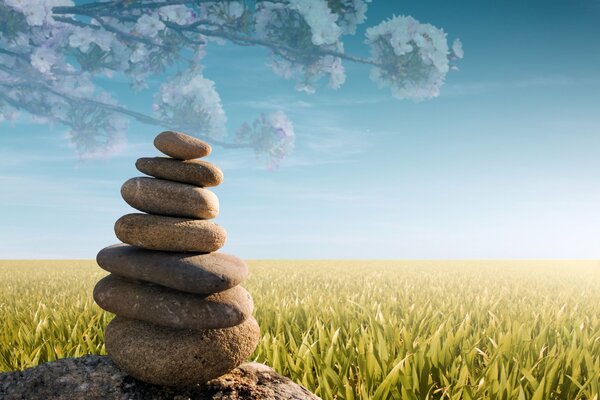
x=97, y=377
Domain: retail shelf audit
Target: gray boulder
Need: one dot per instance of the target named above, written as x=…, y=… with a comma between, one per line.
x=96, y=377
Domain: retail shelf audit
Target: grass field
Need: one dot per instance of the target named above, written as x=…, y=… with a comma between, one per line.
x=363, y=329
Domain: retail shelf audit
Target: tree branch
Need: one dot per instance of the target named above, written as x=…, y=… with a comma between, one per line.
x=278, y=48
x=12, y=53
x=143, y=118
x=123, y=5
x=97, y=10
x=127, y=37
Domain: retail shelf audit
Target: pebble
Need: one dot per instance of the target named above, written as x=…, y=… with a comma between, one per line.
x=158, y=196
x=181, y=146
x=188, y=272
x=178, y=357
x=157, y=232
x=172, y=308
x=194, y=172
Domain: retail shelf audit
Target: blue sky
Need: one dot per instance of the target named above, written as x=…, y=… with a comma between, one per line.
x=504, y=164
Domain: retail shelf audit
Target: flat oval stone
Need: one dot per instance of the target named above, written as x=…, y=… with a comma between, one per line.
x=178, y=357
x=156, y=232
x=181, y=146
x=187, y=272
x=158, y=196
x=168, y=307
x=195, y=172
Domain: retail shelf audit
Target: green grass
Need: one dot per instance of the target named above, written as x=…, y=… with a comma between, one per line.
x=363, y=330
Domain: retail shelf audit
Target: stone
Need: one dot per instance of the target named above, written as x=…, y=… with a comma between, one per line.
x=194, y=172
x=178, y=357
x=187, y=272
x=156, y=232
x=158, y=196
x=181, y=146
x=93, y=377
x=172, y=308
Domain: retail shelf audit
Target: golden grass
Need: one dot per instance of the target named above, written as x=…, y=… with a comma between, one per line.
x=363, y=329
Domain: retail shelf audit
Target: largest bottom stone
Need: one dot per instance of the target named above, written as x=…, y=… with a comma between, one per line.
x=178, y=357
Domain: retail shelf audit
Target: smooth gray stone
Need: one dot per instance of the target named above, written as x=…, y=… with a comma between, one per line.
x=178, y=357
x=195, y=172
x=157, y=232
x=187, y=272
x=167, y=307
x=181, y=146
x=174, y=199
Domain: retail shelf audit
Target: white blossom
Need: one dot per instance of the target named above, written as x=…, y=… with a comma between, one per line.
x=139, y=53
x=457, y=48
x=149, y=25
x=178, y=14
x=37, y=12
x=43, y=58
x=352, y=13
x=321, y=20
x=337, y=73
x=82, y=39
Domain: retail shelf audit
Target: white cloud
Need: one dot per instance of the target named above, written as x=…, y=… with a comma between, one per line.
x=291, y=104
x=476, y=88
x=282, y=103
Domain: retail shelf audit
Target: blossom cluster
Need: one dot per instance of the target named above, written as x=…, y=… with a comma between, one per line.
x=271, y=136
x=300, y=30
x=320, y=19
x=413, y=58
x=190, y=101
x=351, y=13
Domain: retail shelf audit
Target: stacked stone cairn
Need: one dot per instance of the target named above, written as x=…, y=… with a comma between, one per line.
x=181, y=317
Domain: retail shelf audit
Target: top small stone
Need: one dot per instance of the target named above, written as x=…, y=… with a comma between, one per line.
x=181, y=146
